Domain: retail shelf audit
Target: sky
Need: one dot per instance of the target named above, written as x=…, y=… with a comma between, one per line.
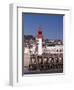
x=51, y=25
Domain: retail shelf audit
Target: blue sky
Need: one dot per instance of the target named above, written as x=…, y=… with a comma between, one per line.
x=52, y=25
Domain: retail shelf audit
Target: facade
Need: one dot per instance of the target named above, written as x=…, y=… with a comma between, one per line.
x=57, y=49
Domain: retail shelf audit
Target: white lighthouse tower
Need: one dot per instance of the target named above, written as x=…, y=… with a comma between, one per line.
x=39, y=42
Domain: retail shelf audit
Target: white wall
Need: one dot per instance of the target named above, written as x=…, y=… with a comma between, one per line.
x=4, y=46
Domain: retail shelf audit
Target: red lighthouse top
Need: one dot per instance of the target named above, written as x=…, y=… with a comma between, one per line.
x=39, y=34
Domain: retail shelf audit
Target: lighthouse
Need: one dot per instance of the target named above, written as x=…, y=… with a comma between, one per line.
x=39, y=42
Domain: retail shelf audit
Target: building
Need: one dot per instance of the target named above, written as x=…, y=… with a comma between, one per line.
x=39, y=39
